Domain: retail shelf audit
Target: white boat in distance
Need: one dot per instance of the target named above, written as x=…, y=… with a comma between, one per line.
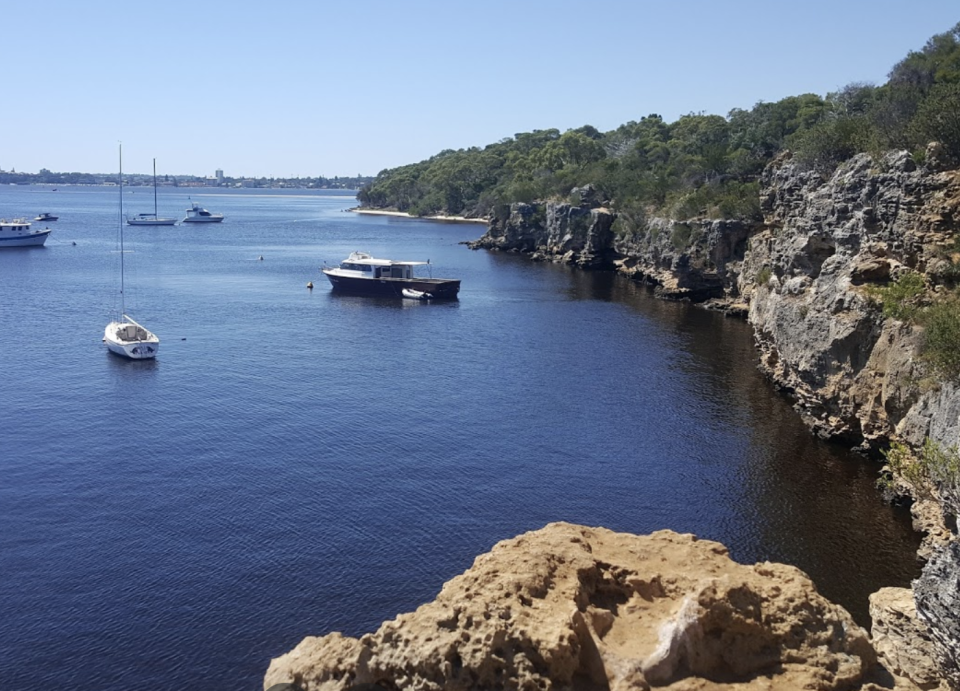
x=152, y=219
x=365, y=275
x=46, y=216
x=197, y=214
x=17, y=233
x=124, y=336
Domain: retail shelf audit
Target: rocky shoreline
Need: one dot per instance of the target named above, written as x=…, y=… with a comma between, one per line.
x=570, y=607
x=801, y=277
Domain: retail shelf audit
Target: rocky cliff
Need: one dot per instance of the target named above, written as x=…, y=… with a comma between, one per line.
x=807, y=277
x=937, y=596
x=569, y=607
x=803, y=276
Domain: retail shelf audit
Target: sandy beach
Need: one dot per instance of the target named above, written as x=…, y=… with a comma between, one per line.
x=403, y=214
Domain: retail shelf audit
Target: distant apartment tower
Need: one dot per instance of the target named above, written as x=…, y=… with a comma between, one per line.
x=219, y=176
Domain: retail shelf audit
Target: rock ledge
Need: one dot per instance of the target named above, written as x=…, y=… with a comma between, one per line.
x=570, y=607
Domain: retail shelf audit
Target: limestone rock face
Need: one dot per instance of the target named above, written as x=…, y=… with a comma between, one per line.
x=695, y=260
x=854, y=375
x=569, y=607
x=574, y=234
x=937, y=596
x=901, y=640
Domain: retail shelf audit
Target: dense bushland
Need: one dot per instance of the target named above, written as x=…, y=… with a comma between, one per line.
x=701, y=165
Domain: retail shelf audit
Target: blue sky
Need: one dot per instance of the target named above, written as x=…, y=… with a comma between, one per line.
x=310, y=87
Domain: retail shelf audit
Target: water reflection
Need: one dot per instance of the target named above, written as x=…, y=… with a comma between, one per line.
x=789, y=496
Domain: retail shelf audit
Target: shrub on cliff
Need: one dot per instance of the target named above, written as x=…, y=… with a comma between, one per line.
x=941, y=345
x=900, y=299
x=934, y=471
x=730, y=199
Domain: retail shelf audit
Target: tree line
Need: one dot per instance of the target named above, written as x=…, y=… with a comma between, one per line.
x=700, y=165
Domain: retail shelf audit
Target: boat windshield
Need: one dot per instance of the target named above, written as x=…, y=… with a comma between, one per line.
x=356, y=267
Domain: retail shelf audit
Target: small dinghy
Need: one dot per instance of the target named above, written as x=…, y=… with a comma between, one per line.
x=415, y=294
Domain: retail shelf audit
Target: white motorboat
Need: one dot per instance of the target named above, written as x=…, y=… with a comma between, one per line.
x=197, y=214
x=152, y=219
x=366, y=275
x=46, y=216
x=124, y=336
x=17, y=233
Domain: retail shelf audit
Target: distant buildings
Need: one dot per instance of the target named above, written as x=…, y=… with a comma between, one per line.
x=47, y=177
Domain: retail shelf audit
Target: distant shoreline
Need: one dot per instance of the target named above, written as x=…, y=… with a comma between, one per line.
x=404, y=214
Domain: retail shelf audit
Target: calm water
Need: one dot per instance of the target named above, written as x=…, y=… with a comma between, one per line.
x=298, y=462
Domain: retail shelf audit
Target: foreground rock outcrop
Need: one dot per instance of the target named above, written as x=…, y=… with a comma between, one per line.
x=569, y=607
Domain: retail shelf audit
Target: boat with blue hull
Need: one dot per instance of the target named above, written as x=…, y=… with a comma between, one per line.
x=17, y=233
x=363, y=274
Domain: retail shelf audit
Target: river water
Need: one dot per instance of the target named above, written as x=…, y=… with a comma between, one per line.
x=298, y=462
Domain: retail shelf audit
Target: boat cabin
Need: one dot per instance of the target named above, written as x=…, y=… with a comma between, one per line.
x=362, y=265
x=132, y=332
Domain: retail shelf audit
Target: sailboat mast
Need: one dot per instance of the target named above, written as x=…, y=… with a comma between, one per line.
x=123, y=306
x=154, y=189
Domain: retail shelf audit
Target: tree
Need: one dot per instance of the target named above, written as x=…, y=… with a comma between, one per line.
x=938, y=119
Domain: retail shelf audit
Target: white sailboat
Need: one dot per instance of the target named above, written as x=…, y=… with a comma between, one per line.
x=152, y=219
x=124, y=336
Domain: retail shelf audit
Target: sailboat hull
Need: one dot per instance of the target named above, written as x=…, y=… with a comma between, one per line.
x=152, y=221
x=131, y=340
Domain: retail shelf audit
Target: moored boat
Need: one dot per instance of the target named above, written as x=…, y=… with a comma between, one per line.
x=151, y=219
x=197, y=214
x=128, y=338
x=123, y=336
x=17, y=233
x=364, y=274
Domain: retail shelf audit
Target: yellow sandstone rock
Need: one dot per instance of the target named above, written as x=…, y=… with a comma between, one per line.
x=570, y=607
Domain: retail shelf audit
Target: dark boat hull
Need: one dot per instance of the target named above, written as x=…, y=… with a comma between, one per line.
x=439, y=288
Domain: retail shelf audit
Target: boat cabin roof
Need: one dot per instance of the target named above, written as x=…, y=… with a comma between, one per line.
x=364, y=258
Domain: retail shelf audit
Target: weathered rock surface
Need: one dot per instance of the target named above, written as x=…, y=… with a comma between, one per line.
x=578, y=235
x=901, y=640
x=854, y=375
x=937, y=596
x=569, y=607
